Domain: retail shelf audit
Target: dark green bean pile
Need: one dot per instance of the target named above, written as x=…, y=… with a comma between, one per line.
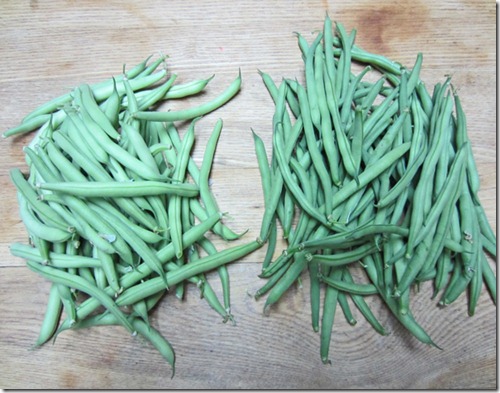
x=117, y=211
x=373, y=184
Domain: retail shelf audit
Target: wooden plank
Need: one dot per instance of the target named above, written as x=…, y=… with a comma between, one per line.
x=279, y=350
x=49, y=47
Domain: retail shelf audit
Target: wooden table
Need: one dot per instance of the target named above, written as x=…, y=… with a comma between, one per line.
x=49, y=47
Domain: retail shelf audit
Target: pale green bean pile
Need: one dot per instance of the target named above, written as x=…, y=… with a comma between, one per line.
x=117, y=211
x=374, y=186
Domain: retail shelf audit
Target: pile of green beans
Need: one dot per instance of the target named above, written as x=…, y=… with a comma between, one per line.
x=374, y=186
x=117, y=211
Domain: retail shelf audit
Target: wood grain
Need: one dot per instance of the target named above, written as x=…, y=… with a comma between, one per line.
x=49, y=47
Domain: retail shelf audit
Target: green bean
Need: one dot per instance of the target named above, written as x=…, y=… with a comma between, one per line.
x=424, y=97
x=291, y=184
x=51, y=318
x=451, y=188
x=314, y=292
x=303, y=45
x=109, y=270
x=378, y=61
x=328, y=48
x=82, y=226
x=144, y=234
x=291, y=275
x=313, y=149
x=442, y=229
x=208, y=246
x=346, y=42
x=489, y=277
x=132, y=105
x=58, y=276
x=187, y=89
x=271, y=208
x=37, y=228
x=475, y=286
x=140, y=146
x=289, y=211
x=363, y=307
x=145, y=70
x=137, y=83
x=302, y=176
x=461, y=132
x=27, y=125
x=371, y=95
x=344, y=305
x=327, y=133
x=85, y=216
x=263, y=163
x=472, y=242
x=415, y=265
x=80, y=125
x=403, y=299
x=350, y=206
x=143, y=270
x=449, y=193
x=386, y=109
x=281, y=115
x=155, y=95
x=484, y=224
x=344, y=258
x=102, y=90
x=210, y=296
x=158, y=341
x=121, y=189
x=327, y=320
x=489, y=246
x=270, y=85
x=63, y=165
x=174, y=206
x=124, y=157
x=367, y=89
x=348, y=96
x=140, y=291
x=373, y=229
x=407, y=320
x=206, y=194
x=140, y=247
x=43, y=211
x=111, y=106
x=68, y=303
x=312, y=96
x=456, y=285
x=140, y=309
x=272, y=280
x=357, y=141
x=443, y=267
x=370, y=173
x=57, y=260
x=282, y=259
x=350, y=287
x=404, y=180
x=194, y=112
x=345, y=147
x=98, y=173
x=87, y=101
x=388, y=138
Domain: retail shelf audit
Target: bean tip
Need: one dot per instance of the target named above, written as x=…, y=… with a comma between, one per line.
x=325, y=360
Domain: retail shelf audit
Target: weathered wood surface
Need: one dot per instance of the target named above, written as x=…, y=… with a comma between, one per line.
x=49, y=47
